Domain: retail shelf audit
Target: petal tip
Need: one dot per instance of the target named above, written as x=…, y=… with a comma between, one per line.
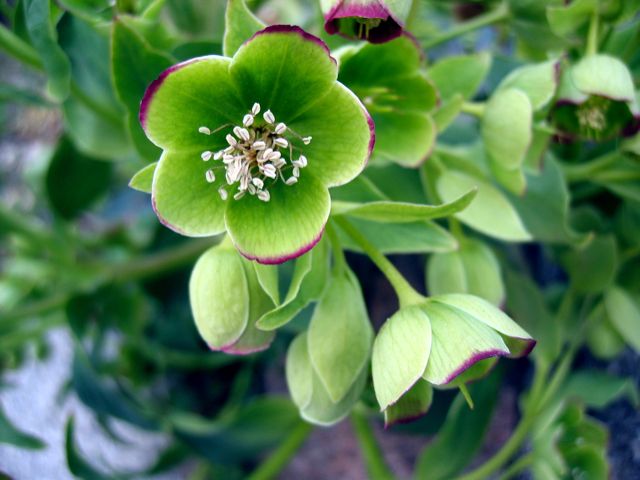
x=283, y=258
x=475, y=358
x=295, y=30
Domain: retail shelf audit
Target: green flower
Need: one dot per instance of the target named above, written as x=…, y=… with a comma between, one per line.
x=597, y=100
x=447, y=340
x=251, y=144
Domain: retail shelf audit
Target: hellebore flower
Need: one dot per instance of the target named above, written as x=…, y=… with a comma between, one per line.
x=377, y=21
x=252, y=143
x=446, y=340
x=597, y=100
x=225, y=317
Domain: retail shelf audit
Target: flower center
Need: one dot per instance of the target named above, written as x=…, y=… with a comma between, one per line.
x=254, y=160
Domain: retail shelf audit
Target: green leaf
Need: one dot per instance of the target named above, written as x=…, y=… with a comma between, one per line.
x=506, y=127
x=598, y=389
x=240, y=25
x=413, y=404
x=404, y=138
x=459, y=341
x=480, y=215
x=340, y=335
x=592, y=267
x=538, y=81
x=299, y=371
x=287, y=226
x=473, y=269
x=624, y=312
x=40, y=26
x=221, y=313
x=401, y=212
x=135, y=65
x=143, y=179
x=400, y=354
x=268, y=278
x=448, y=112
x=390, y=238
x=75, y=181
x=462, y=434
x=564, y=20
x=78, y=466
x=544, y=208
x=308, y=282
x=527, y=306
x=461, y=74
x=12, y=436
x=602, y=338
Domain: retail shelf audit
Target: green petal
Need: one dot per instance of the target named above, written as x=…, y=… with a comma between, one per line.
x=413, y=404
x=299, y=371
x=143, y=179
x=183, y=199
x=604, y=75
x=400, y=354
x=221, y=313
x=340, y=335
x=519, y=341
x=538, y=81
x=343, y=136
x=283, y=228
x=284, y=69
x=459, y=341
x=191, y=94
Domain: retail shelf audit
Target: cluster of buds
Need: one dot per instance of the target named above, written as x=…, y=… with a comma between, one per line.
x=254, y=155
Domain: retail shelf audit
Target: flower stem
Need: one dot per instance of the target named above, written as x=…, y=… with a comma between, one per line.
x=474, y=108
x=340, y=262
x=518, y=467
x=18, y=48
x=372, y=456
x=499, y=14
x=592, y=36
x=283, y=454
x=407, y=295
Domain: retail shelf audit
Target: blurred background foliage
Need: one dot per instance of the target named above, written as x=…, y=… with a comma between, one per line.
x=82, y=252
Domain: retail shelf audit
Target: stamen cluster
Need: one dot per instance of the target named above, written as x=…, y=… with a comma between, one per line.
x=253, y=159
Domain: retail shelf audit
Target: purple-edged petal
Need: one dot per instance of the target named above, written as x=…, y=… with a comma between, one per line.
x=342, y=134
x=286, y=226
x=187, y=96
x=459, y=341
x=284, y=69
x=183, y=199
x=368, y=20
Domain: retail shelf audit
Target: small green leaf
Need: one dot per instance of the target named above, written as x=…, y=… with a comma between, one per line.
x=240, y=25
x=506, y=127
x=75, y=181
x=299, y=371
x=268, y=278
x=340, y=335
x=413, y=404
x=221, y=313
x=448, y=112
x=537, y=81
x=565, y=20
x=41, y=28
x=598, y=389
x=400, y=354
x=460, y=74
x=143, y=179
x=473, y=269
x=481, y=214
x=624, y=312
x=592, y=267
x=78, y=466
x=603, y=339
x=12, y=436
x=401, y=212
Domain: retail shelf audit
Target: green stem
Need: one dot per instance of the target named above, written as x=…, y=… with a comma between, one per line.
x=518, y=467
x=407, y=295
x=140, y=269
x=592, y=36
x=474, y=108
x=340, y=263
x=372, y=456
x=499, y=14
x=585, y=171
x=18, y=48
x=283, y=454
